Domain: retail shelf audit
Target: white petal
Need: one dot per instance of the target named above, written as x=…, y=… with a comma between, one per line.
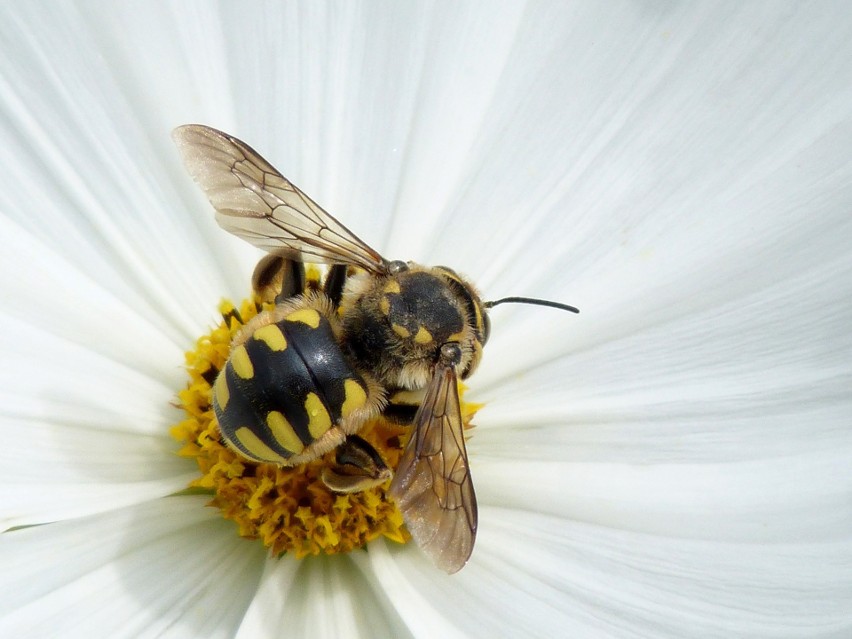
x=534, y=575
x=711, y=179
x=801, y=498
x=264, y=617
x=586, y=573
x=45, y=291
x=168, y=568
x=682, y=146
x=83, y=433
x=740, y=408
x=316, y=597
x=377, y=126
x=91, y=186
x=104, y=285
x=494, y=595
x=416, y=603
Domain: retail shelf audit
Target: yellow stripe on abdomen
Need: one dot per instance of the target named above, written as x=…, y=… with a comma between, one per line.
x=307, y=316
x=241, y=363
x=319, y=420
x=257, y=450
x=221, y=391
x=283, y=432
x=355, y=397
x=272, y=336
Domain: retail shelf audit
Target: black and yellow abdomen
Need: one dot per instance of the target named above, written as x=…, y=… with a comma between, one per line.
x=287, y=393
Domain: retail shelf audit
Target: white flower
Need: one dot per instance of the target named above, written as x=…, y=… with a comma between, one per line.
x=675, y=461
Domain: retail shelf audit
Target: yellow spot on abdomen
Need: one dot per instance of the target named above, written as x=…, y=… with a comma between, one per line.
x=272, y=336
x=392, y=287
x=241, y=362
x=221, y=391
x=319, y=420
x=384, y=305
x=307, y=316
x=256, y=448
x=283, y=432
x=423, y=336
x=401, y=330
x=355, y=397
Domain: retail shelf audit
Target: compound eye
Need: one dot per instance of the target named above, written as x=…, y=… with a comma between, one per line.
x=447, y=269
x=451, y=353
x=486, y=327
x=397, y=266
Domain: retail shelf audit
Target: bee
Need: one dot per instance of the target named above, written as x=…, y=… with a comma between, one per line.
x=378, y=337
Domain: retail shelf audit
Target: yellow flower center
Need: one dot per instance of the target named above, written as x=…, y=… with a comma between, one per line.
x=290, y=510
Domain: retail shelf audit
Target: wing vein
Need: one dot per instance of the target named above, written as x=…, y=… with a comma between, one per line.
x=257, y=203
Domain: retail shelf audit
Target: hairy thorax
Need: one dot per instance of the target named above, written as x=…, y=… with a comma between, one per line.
x=395, y=325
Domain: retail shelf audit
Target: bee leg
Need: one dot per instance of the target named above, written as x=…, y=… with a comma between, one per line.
x=334, y=281
x=359, y=467
x=277, y=278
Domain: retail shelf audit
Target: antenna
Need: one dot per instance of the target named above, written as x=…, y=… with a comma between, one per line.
x=531, y=300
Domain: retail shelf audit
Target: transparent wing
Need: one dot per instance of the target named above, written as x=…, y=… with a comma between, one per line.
x=255, y=202
x=432, y=485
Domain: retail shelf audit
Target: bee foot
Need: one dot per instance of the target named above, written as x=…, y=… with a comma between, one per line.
x=358, y=467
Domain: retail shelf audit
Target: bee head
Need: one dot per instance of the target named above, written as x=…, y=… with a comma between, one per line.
x=474, y=316
x=397, y=324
